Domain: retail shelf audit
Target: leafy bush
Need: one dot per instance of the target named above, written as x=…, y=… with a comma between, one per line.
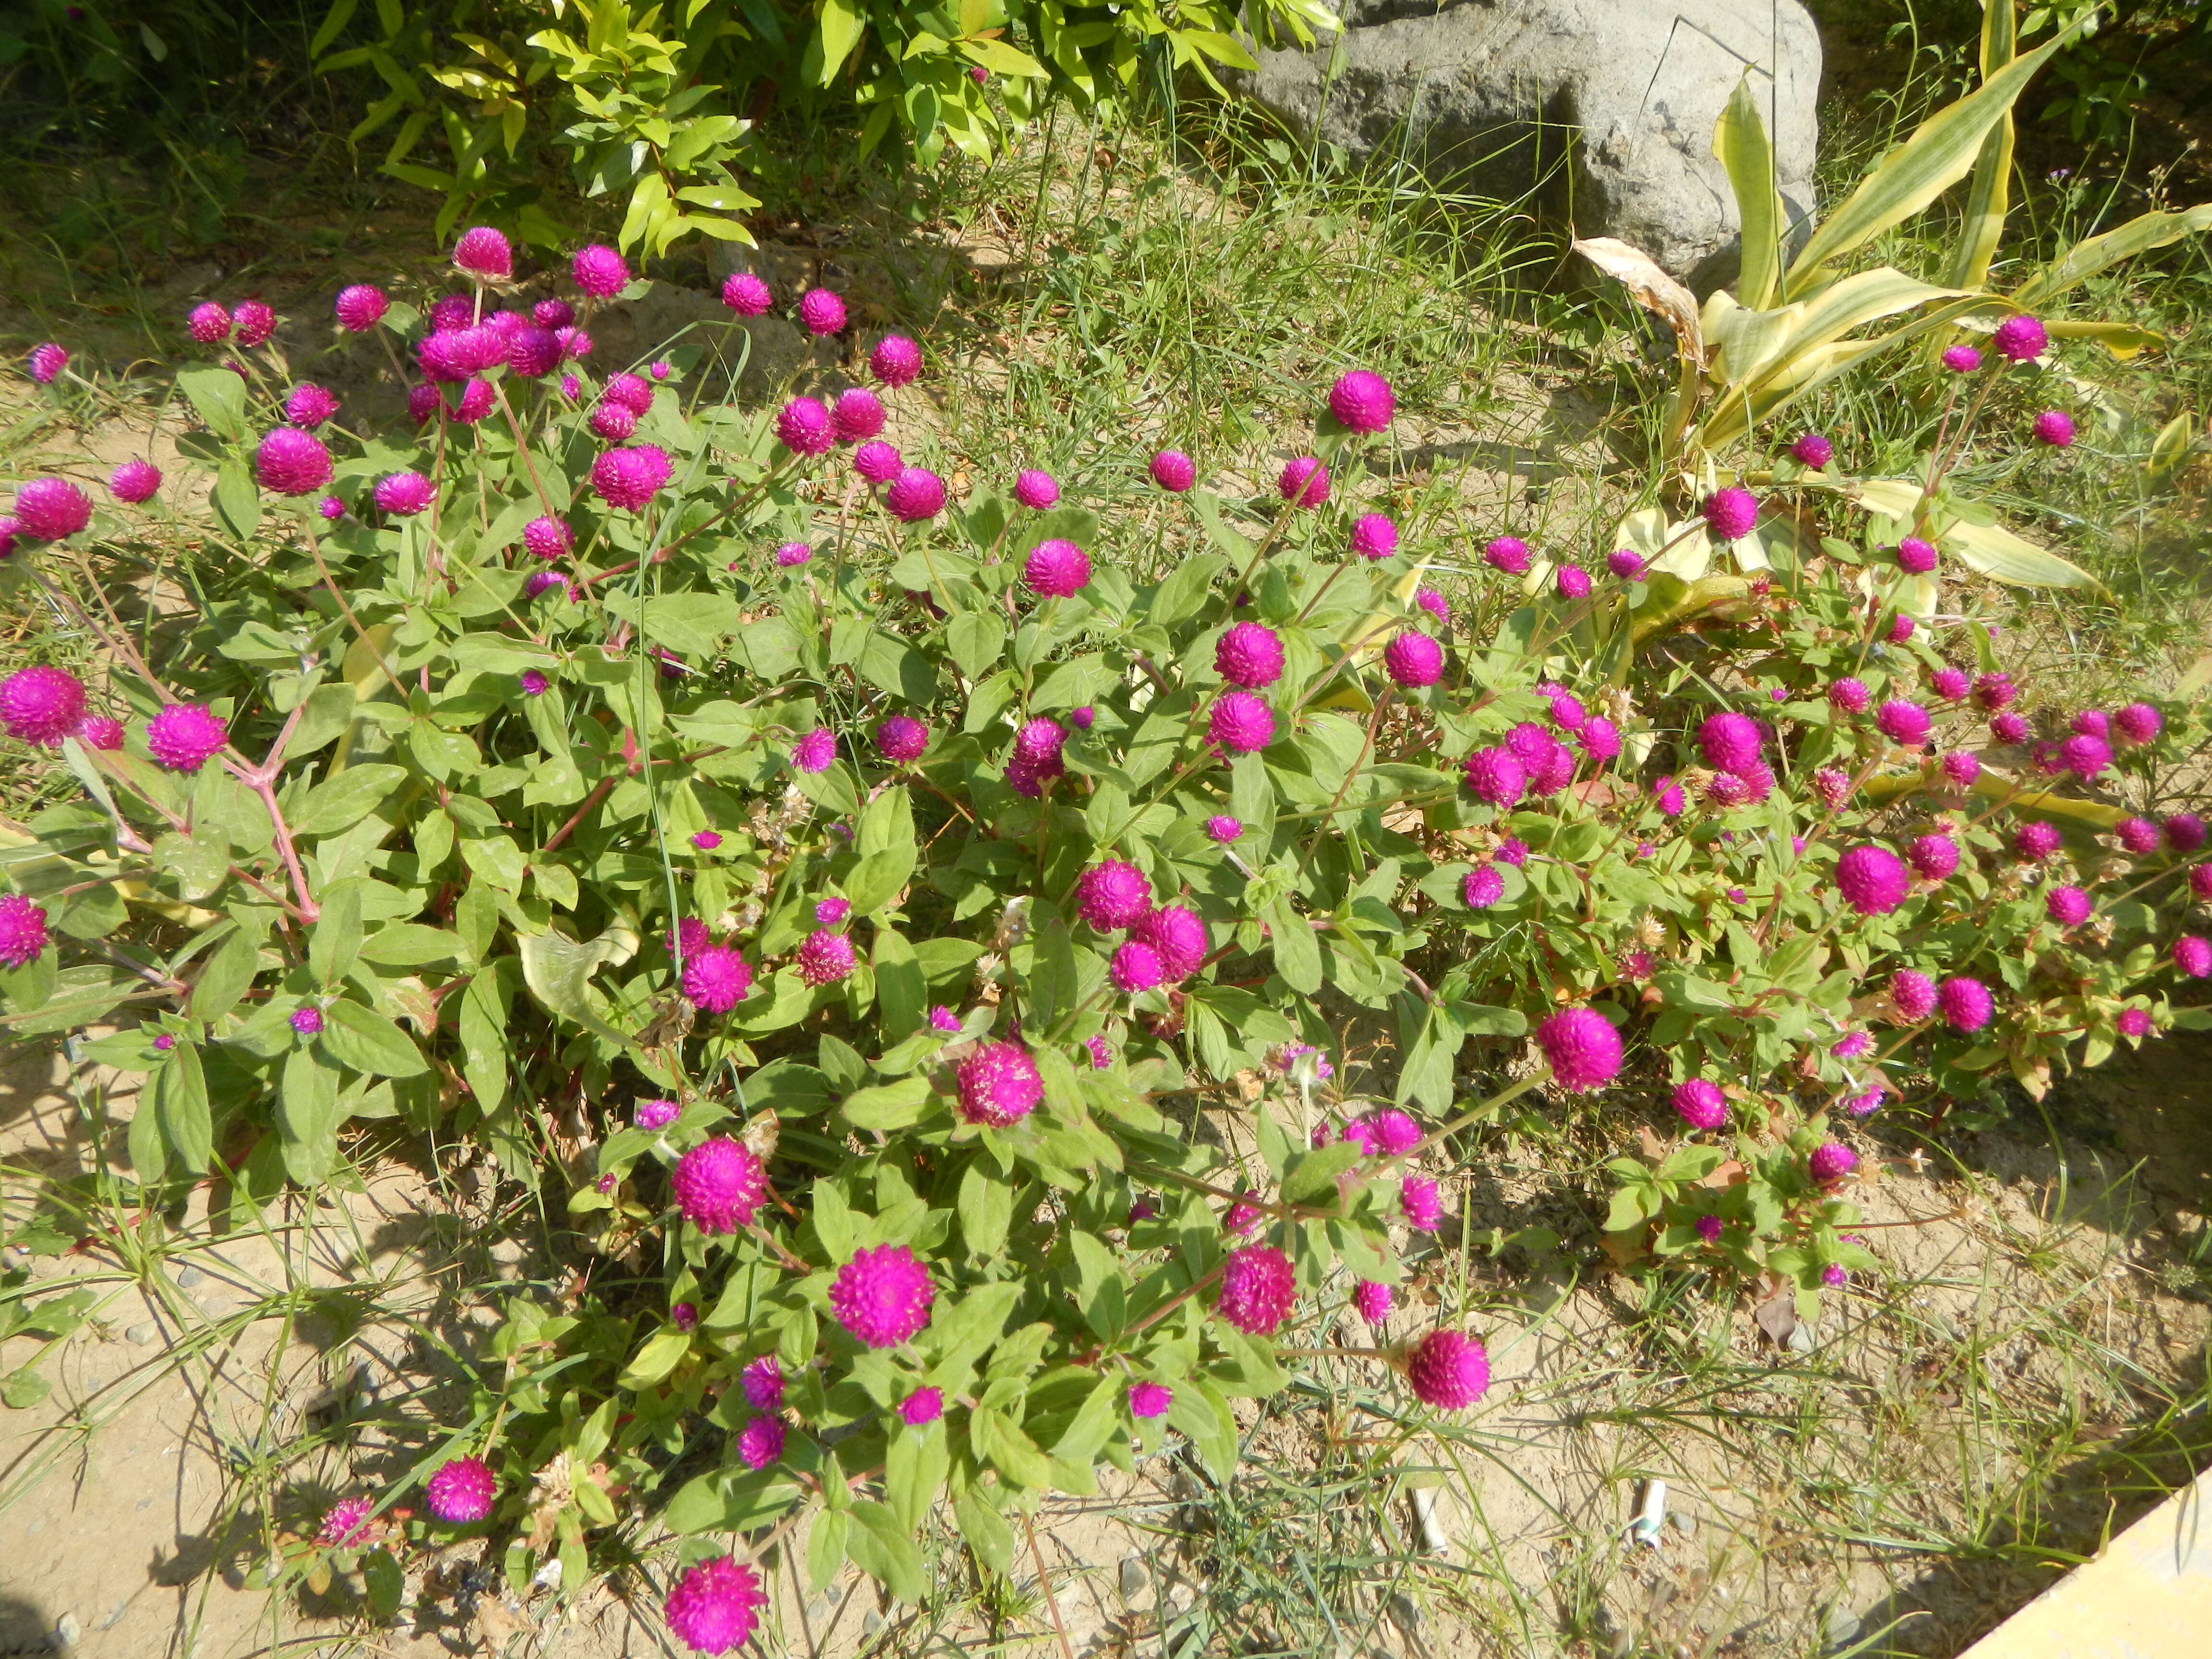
x=658, y=109
x=922, y=934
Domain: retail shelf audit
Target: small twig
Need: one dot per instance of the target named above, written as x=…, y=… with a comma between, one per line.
x=1044, y=1584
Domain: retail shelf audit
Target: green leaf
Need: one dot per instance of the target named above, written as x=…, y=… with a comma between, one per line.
x=663, y=1350
x=218, y=398
x=902, y=992
x=985, y=1530
x=892, y=1106
x=558, y=971
x=1990, y=548
x=230, y=969
x=886, y=1551
x=365, y=1040
x=307, y=1115
x=839, y=32
x=237, y=502
x=987, y=1210
x=334, y=941
x=977, y=640
x=914, y=1465
x=1298, y=953
x=721, y=1501
x=1740, y=145
x=1181, y=595
x=1311, y=1177
x=180, y=1104
x=825, y=1548
x=341, y=802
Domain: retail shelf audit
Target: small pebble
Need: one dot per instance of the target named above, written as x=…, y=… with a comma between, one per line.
x=1683, y=1521
x=816, y=1610
x=1839, y=1627
x=139, y=1335
x=66, y=1631
x=1133, y=1577
x=871, y=1624
x=1407, y=1615
x=190, y=1278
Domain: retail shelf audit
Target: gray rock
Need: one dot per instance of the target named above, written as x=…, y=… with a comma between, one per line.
x=140, y=1335
x=1133, y=1577
x=1840, y=1627
x=1407, y=1615
x=67, y=1631
x=190, y=1278
x=1602, y=113
x=1683, y=1521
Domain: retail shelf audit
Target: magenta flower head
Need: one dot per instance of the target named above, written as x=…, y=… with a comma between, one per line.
x=821, y=312
x=1249, y=655
x=2009, y=727
x=453, y=312
x=1700, y=1103
x=331, y=510
x=760, y=1443
x=544, y=582
x=1150, y=1400
x=1916, y=557
x=896, y=360
x=1135, y=968
x=2200, y=881
x=1178, y=936
x=882, y=1296
x=1036, y=489
x=1951, y=684
x=52, y=509
x=2020, y=339
x=1667, y=796
x=2133, y=1023
x=1372, y=1301
x=746, y=295
x=1362, y=401
x=404, y=495
x=825, y=957
x=22, y=930
x=1374, y=537
x=804, y=427
x=689, y=937
x=307, y=1021
x=1730, y=513
x=1903, y=723
x=1811, y=449
x=256, y=322
x=1305, y=482
x=1000, y=1085
x=1933, y=857
x=1507, y=554
x=2184, y=832
x=1447, y=1370
x=534, y=683
x=346, y=1523
x=718, y=1186
x=2037, y=841
x=1257, y=1286
x=716, y=979
x=1241, y=723
x=916, y=494
x=1729, y=742
x=1483, y=887
x=1420, y=1202
x=1112, y=895
x=1495, y=776
x=2192, y=955
x=1849, y=696
x=2070, y=907
x=1040, y=739
x=791, y=554
x=1626, y=564
x=548, y=539
x=1174, y=472
x=613, y=422
x=310, y=404
x=2055, y=426
x=900, y=738
x=1913, y=995
x=655, y=1114
x=630, y=391
x=2136, y=835
x=831, y=911
x=922, y=1407
x=598, y=271
x=208, y=324
x=878, y=462
x=99, y=731
x=1582, y=1049
x=627, y=479
x=857, y=415
x=41, y=704
x=461, y=1491
x=1961, y=359
x=1055, y=569
x=2085, y=756
x=46, y=362
x=183, y=735
x=763, y=1381
x=715, y=1605
x=1965, y=1003
x=1831, y=1161
x=1901, y=629
x=2138, y=723
x=483, y=254
x=134, y=482
x=1573, y=581
x=1872, y=879
x=1221, y=828
x=815, y=750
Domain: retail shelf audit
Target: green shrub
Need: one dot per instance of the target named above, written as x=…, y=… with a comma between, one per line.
x=658, y=109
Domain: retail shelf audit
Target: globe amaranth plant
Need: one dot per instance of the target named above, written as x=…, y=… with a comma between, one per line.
x=921, y=927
